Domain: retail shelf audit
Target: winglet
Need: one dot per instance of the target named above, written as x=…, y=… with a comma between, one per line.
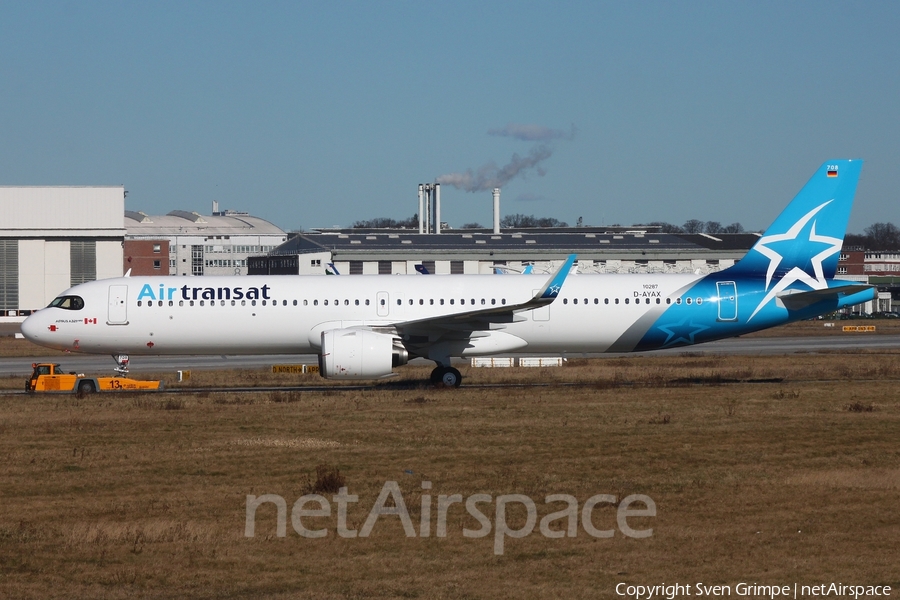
x=554, y=285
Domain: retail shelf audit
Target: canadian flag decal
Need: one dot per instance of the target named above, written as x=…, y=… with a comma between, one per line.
x=91, y=321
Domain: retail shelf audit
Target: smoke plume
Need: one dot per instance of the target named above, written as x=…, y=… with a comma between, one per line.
x=489, y=175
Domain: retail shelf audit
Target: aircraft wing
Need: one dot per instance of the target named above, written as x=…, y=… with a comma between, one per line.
x=484, y=318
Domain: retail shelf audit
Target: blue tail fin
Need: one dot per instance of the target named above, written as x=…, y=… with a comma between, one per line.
x=807, y=236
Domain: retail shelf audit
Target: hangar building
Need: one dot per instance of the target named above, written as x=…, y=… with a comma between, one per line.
x=54, y=237
x=600, y=250
x=188, y=243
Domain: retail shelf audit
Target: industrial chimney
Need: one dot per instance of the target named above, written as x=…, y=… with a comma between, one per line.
x=496, y=210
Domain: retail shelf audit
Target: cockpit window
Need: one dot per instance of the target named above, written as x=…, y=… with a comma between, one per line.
x=67, y=302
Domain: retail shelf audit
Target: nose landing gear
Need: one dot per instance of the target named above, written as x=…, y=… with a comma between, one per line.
x=122, y=364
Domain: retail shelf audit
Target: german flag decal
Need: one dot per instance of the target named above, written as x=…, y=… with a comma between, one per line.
x=832, y=172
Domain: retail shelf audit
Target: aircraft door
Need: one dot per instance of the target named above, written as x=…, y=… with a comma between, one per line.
x=727, y=291
x=383, y=304
x=118, y=305
x=542, y=313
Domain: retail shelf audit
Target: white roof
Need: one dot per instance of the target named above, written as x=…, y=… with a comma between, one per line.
x=181, y=222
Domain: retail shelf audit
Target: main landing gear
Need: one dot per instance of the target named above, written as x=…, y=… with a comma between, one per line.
x=446, y=377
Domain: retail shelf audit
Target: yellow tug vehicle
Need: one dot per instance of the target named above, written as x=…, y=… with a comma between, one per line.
x=48, y=377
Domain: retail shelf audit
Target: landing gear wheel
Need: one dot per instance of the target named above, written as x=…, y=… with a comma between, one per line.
x=446, y=377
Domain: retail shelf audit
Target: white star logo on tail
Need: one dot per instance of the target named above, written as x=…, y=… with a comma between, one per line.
x=816, y=280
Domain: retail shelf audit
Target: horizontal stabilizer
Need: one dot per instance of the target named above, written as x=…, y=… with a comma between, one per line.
x=800, y=300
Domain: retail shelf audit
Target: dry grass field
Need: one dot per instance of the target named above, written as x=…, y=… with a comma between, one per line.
x=763, y=469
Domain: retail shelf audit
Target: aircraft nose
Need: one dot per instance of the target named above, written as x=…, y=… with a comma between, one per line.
x=32, y=328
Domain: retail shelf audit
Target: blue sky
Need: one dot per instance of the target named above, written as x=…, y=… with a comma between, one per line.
x=321, y=113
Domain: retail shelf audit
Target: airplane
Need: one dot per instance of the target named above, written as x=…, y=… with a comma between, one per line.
x=364, y=326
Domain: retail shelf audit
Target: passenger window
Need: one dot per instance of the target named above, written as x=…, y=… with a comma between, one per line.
x=398, y=302
x=243, y=303
x=647, y=301
x=565, y=300
x=284, y=302
x=295, y=303
x=346, y=303
x=356, y=302
x=699, y=300
x=160, y=303
x=367, y=302
x=410, y=301
x=442, y=301
x=574, y=301
x=181, y=303
x=431, y=301
x=617, y=300
x=192, y=302
x=451, y=301
x=606, y=301
x=688, y=300
x=493, y=301
x=139, y=302
x=503, y=301
x=201, y=303
x=253, y=303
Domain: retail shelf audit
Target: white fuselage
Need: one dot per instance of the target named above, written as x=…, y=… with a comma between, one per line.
x=287, y=314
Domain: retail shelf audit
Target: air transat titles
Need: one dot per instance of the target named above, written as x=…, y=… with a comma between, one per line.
x=205, y=293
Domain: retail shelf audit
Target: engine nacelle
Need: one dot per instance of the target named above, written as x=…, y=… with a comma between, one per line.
x=359, y=354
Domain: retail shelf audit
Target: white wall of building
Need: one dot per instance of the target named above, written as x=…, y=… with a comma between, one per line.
x=45, y=220
x=110, y=258
x=57, y=272
x=71, y=209
x=32, y=287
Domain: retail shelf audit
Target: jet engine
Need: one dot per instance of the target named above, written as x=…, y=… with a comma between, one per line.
x=359, y=354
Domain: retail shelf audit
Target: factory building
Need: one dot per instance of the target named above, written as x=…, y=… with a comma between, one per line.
x=187, y=243
x=444, y=251
x=54, y=237
x=599, y=250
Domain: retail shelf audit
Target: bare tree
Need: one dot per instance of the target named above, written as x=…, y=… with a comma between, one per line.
x=693, y=226
x=516, y=221
x=667, y=227
x=387, y=223
x=883, y=236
